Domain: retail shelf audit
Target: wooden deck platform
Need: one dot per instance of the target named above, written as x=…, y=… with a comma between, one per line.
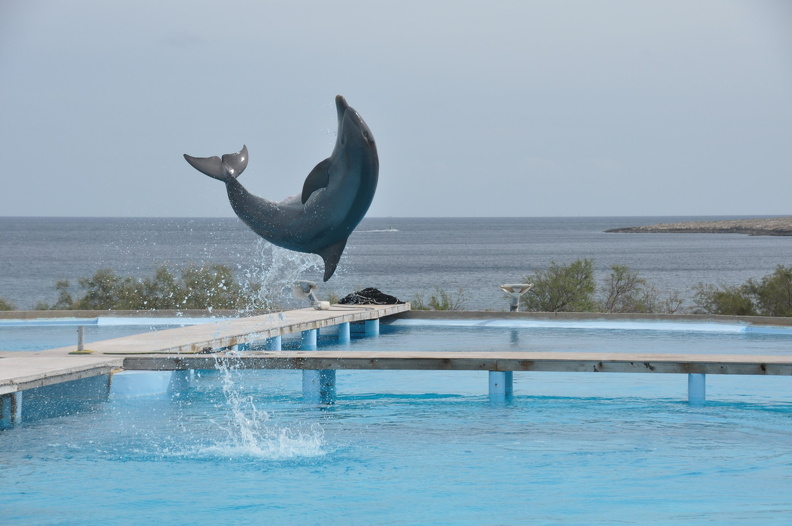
x=476, y=361
x=25, y=370
x=207, y=345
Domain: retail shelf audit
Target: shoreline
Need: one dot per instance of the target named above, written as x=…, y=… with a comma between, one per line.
x=777, y=226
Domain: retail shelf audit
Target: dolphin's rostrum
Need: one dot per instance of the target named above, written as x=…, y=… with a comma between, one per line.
x=335, y=196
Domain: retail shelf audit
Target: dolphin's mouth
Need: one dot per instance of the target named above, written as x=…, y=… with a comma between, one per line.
x=354, y=119
x=341, y=106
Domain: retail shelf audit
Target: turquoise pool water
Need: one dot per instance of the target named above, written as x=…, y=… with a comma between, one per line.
x=239, y=447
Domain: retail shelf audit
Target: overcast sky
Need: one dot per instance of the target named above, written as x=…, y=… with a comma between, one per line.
x=488, y=108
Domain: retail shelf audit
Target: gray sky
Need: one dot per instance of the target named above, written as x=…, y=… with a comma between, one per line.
x=496, y=108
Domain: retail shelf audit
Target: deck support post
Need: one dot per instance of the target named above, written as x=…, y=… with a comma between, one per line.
x=274, y=344
x=372, y=327
x=697, y=388
x=308, y=339
x=18, y=407
x=181, y=380
x=6, y=411
x=501, y=385
x=319, y=386
x=10, y=409
x=343, y=333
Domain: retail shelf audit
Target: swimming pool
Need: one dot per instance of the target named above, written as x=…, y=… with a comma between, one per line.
x=426, y=447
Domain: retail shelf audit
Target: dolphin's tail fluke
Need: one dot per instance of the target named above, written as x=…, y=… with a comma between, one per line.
x=229, y=167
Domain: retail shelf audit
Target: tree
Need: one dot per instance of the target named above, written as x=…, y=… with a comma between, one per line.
x=562, y=288
x=626, y=291
x=773, y=294
x=729, y=300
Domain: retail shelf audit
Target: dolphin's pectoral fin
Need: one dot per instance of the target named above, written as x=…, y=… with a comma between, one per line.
x=318, y=178
x=331, y=254
x=231, y=165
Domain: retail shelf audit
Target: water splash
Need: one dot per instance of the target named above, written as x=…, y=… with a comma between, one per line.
x=275, y=269
x=250, y=433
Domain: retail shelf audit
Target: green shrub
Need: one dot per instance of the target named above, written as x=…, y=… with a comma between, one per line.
x=6, y=305
x=440, y=300
x=728, y=300
x=773, y=294
x=562, y=288
x=209, y=286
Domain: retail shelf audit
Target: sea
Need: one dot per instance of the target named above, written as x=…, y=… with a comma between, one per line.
x=410, y=258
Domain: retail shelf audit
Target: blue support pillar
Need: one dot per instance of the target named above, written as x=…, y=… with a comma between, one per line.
x=343, y=333
x=181, y=381
x=501, y=385
x=697, y=388
x=274, y=344
x=319, y=386
x=18, y=407
x=372, y=327
x=6, y=411
x=309, y=339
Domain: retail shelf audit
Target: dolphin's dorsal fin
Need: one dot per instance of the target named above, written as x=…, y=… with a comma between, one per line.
x=318, y=178
x=331, y=255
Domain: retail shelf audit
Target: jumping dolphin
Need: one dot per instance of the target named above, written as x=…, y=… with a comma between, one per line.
x=335, y=196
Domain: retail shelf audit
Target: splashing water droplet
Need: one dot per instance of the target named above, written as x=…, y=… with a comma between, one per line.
x=275, y=269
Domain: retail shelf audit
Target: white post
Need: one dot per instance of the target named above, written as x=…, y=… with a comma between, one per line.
x=697, y=388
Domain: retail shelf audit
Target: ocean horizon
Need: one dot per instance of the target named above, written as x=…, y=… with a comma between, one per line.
x=402, y=256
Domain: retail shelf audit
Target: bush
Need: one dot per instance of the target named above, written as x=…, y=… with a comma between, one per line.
x=773, y=294
x=440, y=300
x=626, y=291
x=734, y=301
x=6, y=305
x=562, y=288
x=210, y=286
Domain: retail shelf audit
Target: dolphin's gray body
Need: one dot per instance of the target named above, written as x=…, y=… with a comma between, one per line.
x=335, y=196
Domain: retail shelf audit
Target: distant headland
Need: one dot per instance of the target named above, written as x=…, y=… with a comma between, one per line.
x=776, y=226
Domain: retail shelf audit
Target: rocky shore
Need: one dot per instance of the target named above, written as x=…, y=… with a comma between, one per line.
x=777, y=226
